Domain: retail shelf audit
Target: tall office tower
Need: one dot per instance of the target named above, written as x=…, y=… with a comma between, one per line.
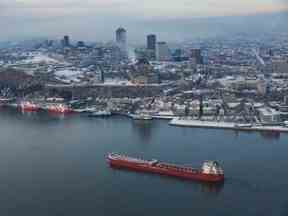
x=151, y=42
x=66, y=41
x=196, y=56
x=121, y=40
x=162, y=51
x=121, y=35
x=151, y=46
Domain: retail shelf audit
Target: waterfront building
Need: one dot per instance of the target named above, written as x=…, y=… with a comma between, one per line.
x=162, y=51
x=269, y=116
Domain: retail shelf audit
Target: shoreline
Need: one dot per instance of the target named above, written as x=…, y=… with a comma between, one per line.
x=223, y=125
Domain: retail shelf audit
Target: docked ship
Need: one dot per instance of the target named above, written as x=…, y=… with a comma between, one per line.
x=59, y=108
x=142, y=116
x=168, y=115
x=243, y=125
x=85, y=110
x=27, y=106
x=5, y=101
x=209, y=172
x=100, y=113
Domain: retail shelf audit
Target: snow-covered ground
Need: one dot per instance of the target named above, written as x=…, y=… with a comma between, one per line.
x=68, y=75
x=36, y=58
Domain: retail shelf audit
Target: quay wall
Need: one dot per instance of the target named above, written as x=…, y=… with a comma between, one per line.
x=180, y=122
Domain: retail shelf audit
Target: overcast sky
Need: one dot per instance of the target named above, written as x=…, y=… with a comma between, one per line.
x=143, y=7
x=54, y=17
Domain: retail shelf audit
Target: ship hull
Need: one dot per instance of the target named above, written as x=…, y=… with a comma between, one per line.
x=55, y=111
x=59, y=109
x=195, y=176
x=30, y=109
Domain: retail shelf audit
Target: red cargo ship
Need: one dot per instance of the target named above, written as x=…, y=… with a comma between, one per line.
x=209, y=172
x=26, y=106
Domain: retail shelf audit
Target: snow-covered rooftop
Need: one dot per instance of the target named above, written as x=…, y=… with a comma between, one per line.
x=39, y=58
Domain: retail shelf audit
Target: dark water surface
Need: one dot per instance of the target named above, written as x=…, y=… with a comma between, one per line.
x=52, y=165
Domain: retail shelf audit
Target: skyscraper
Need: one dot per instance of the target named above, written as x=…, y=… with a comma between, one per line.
x=121, y=35
x=66, y=41
x=151, y=47
x=151, y=42
x=162, y=51
x=196, y=56
x=121, y=40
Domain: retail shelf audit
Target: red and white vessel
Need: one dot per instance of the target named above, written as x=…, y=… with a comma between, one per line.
x=27, y=106
x=59, y=108
x=209, y=172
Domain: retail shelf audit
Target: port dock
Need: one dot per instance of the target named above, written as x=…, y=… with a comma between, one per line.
x=184, y=122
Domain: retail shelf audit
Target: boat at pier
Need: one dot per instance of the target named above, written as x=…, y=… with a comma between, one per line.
x=5, y=101
x=209, y=172
x=27, y=106
x=168, y=115
x=185, y=122
x=100, y=113
x=59, y=108
x=85, y=110
x=142, y=116
x=242, y=125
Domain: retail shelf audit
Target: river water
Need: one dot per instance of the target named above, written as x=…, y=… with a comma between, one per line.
x=55, y=165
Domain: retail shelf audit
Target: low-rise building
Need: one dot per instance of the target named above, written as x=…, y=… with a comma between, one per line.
x=269, y=116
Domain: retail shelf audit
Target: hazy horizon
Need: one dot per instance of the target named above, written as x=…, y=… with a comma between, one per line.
x=96, y=20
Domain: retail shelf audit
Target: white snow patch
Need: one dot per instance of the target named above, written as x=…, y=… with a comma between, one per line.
x=69, y=75
x=40, y=58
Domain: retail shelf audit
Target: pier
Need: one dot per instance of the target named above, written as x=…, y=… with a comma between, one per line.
x=184, y=122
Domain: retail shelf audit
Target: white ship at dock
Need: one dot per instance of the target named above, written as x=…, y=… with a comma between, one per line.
x=189, y=122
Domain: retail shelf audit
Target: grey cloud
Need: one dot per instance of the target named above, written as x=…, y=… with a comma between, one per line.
x=63, y=4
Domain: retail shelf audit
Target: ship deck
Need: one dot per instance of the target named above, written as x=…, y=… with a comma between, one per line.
x=155, y=163
x=114, y=156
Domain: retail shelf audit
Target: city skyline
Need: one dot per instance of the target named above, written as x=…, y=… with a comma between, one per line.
x=173, y=21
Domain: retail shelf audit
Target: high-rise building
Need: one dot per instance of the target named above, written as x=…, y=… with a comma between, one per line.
x=151, y=46
x=179, y=55
x=151, y=42
x=80, y=44
x=162, y=51
x=66, y=41
x=121, y=35
x=196, y=56
x=121, y=40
